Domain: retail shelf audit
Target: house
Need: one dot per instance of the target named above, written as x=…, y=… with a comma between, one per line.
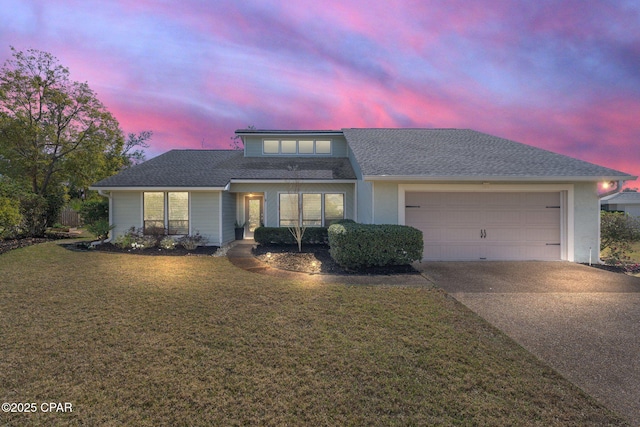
x=474, y=196
x=627, y=201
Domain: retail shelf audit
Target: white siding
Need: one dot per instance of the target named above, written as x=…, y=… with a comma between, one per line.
x=204, y=212
x=126, y=211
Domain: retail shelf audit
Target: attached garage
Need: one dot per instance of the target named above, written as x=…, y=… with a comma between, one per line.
x=487, y=225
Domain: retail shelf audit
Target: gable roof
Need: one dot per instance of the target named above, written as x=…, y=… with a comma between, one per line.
x=216, y=168
x=625, y=197
x=463, y=154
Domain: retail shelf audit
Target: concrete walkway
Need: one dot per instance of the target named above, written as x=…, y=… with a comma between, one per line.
x=584, y=322
x=240, y=255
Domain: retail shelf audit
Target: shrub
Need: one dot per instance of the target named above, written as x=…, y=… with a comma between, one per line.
x=190, y=242
x=135, y=238
x=282, y=236
x=617, y=232
x=92, y=211
x=167, y=243
x=357, y=246
x=10, y=217
x=100, y=229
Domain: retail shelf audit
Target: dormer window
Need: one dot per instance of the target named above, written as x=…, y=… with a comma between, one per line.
x=294, y=147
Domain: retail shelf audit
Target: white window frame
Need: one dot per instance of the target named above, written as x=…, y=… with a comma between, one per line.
x=297, y=152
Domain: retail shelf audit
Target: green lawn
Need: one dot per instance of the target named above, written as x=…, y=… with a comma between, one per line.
x=135, y=340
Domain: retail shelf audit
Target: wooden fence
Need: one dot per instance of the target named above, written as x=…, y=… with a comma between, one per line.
x=70, y=218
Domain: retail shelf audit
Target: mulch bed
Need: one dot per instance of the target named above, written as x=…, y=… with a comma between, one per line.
x=316, y=259
x=177, y=251
x=10, y=244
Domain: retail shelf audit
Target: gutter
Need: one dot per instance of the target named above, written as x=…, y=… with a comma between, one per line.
x=617, y=189
x=108, y=195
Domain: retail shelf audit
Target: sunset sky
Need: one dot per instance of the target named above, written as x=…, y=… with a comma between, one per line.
x=562, y=75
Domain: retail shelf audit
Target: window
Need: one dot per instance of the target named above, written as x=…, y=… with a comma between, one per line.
x=294, y=147
x=178, y=213
x=305, y=147
x=166, y=211
x=153, y=211
x=333, y=208
x=271, y=147
x=323, y=147
x=288, y=147
x=289, y=212
x=311, y=209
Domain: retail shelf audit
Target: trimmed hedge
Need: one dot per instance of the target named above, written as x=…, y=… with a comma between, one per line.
x=282, y=236
x=358, y=246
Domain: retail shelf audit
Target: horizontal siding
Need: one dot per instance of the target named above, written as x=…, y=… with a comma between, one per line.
x=204, y=215
x=271, y=191
x=126, y=211
x=228, y=216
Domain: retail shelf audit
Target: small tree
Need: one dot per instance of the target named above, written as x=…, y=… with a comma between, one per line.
x=298, y=228
x=617, y=231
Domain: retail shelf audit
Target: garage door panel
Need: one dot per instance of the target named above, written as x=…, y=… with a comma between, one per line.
x=500, y=226
x=502, y=217
x=547, y=216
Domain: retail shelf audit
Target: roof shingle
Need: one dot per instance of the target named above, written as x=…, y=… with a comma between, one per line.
x=461, y=153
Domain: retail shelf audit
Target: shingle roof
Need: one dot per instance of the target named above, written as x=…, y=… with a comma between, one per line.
x=628, y=197
x=215, y=168
x=462, y=154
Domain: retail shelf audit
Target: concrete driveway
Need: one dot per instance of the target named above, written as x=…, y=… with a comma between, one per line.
x=582, y=321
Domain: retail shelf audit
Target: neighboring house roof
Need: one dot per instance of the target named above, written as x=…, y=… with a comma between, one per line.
x=626, y=197
x=216, y=168
x=462, y=154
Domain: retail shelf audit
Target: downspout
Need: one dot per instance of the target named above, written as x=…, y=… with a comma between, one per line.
x=617, y=189
x=108, y=195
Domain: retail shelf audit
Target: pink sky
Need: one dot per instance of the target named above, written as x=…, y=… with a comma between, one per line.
x=561, y=75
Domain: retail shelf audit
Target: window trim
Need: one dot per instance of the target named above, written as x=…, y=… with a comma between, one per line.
x=297, y=152
x=166, y=220
x=322, y=206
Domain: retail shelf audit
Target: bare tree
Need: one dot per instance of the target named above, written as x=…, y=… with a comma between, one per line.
x=298, y=228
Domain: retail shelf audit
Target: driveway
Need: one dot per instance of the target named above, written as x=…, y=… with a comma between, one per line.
x=584, y=322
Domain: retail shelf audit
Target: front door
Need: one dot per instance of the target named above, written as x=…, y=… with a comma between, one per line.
x=253, y=215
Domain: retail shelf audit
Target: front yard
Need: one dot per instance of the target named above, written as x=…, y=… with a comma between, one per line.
x=135, y=340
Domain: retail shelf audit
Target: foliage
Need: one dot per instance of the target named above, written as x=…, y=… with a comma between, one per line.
x=191, y=242
x=34, y=214
x=100, y=228
x=617, y=232
x=167, y=243
x=10, y=215
x=135, y=238
x=282, y=236
x=92, y=211
x=358, y=246
x=55, y=133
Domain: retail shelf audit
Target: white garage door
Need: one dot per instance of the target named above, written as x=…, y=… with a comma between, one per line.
x=491, y=226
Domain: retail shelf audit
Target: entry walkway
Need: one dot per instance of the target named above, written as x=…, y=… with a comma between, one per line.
x=240, y=255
